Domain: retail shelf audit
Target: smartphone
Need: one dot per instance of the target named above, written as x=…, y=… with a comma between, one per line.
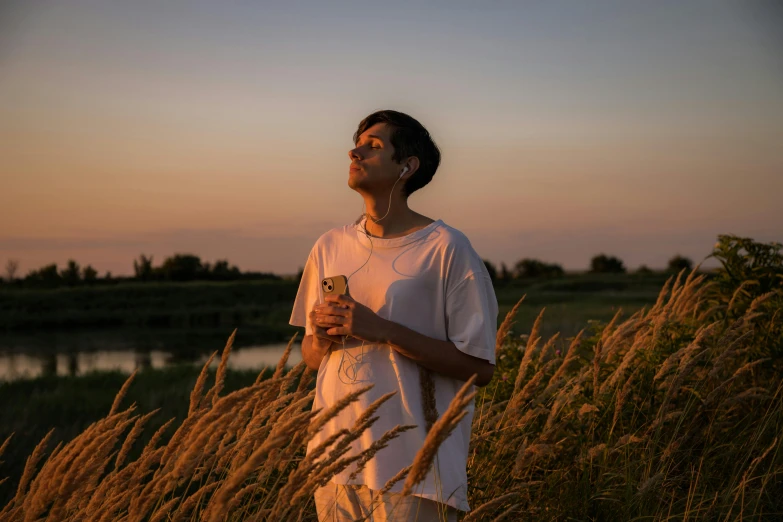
x=335, y=285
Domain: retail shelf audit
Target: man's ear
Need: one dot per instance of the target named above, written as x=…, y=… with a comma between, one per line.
x=413, y=165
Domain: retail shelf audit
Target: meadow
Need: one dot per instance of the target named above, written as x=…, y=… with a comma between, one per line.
x=202, y=313
x=258, y=305
x=671, y=411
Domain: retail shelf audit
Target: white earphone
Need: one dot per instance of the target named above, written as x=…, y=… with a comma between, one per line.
x=404, y=170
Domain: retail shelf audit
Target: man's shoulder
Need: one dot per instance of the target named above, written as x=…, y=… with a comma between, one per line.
x=454, y=239
x=462, y=257
x=332, y=236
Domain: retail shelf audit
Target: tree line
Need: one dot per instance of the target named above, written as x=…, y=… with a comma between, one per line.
x=189, y=267
x=528, y=268
x=179, y=267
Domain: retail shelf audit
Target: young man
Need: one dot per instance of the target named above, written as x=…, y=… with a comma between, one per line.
x=419, y=298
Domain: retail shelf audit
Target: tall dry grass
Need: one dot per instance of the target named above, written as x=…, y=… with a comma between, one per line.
x=667, y=414
x=235, y=457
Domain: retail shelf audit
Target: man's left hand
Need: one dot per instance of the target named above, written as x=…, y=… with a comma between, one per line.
x=354, y=319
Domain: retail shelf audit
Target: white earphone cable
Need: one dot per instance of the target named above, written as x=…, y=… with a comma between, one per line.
x=353, y=366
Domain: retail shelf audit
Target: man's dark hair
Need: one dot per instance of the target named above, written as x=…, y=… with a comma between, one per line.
x=409, y=138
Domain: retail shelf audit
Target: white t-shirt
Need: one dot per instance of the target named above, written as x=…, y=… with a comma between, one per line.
x=431, y=281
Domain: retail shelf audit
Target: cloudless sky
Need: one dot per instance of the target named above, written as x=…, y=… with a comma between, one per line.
x=638, y=129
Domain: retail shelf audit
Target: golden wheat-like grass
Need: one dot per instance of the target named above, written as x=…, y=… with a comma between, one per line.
x=439, y=432
x=238, y=453
x=505, y=326
x=658, y=387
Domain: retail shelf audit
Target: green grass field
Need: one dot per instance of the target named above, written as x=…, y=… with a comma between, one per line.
x=266, y=305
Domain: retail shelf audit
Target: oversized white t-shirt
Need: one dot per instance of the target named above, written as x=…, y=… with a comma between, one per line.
x=431, y=281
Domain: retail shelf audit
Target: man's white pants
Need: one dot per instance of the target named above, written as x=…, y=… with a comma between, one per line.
x=339, y=503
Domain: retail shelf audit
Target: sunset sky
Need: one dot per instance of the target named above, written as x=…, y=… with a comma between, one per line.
x=638, y=129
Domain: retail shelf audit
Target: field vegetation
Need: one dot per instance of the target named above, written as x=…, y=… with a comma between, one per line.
x=672, y=412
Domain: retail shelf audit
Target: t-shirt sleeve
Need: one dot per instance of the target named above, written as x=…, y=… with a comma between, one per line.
x=472, y=315
x=307, y=296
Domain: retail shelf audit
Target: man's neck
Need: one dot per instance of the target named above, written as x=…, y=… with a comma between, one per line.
x=399, y=220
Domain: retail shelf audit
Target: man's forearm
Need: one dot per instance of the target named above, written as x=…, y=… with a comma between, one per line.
x=436, y=355
x=313, y=352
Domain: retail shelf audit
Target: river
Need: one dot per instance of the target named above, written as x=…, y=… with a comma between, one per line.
x=74, y=354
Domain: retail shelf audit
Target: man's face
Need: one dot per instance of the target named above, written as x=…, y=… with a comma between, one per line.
x=372, y=165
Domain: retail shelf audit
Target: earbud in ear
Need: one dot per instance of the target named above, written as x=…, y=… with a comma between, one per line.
x=404, y=170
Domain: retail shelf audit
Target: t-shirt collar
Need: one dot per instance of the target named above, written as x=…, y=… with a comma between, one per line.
x=378, y=242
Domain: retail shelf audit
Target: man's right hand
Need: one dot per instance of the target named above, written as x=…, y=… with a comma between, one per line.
x=316, y=345
x=319, y=333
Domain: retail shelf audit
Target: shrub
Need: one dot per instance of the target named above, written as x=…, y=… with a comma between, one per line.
x=533, y=268
x=603, y=264
x=678, y=263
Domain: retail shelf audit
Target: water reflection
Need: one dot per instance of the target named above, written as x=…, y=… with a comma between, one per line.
x=23, y=365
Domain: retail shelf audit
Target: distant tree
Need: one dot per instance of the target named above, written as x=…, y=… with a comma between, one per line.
x=72, y=274
x=526, y=268
x=46, y=276
x=49, y=274
x=181, y=267
x=143, y=268
x=222, y=271
x=89, y=274
x=299, y=274
x=108, y=277
x=533, y=268
x=644, y=269
x=11, y=268
x=505, y=273
x=603, y=264
x=679, y=262
x=493, y=273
